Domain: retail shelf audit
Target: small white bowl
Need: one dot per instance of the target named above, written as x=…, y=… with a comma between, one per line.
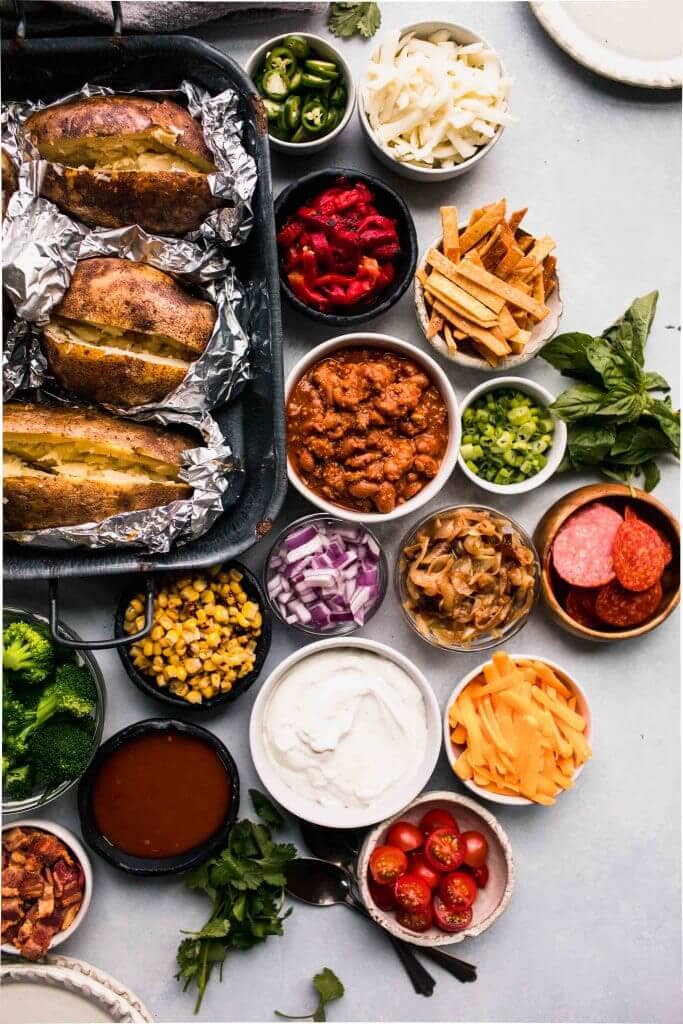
x=434, y=371
x=541, y=332
x=453, y=751
x=544, y=398
x=464, y=37
x=322, y=48
x=335, y=816
x=491, y=901
x=77, y=849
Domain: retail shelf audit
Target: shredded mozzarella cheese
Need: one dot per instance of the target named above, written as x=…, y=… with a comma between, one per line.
x=433, y=103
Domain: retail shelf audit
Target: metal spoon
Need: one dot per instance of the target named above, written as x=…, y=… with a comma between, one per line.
x=321, y=883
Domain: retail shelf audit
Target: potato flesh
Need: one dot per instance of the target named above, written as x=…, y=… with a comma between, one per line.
x=147, y=151
x=26, y=455
x=162, y=348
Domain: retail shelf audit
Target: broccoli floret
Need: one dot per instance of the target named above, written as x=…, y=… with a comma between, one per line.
x=15, y=718
x=72, y=693
x=28, y=652
x=18, y=783
x=60, y=751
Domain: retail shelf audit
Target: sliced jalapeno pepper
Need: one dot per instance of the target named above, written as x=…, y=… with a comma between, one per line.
x=338, y=95
x=311, y=81
x=295, y=80
x=281, y=59
x=332, y=119
x=297, y=45
x=292, y=113
x=313, y=116
x=275, y=84
x=301, y=135
x=273, y=108
x=323, y=68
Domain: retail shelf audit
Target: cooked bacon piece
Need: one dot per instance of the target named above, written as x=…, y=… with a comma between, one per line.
x=47, y=848
x=16, y=838
x=12, y=911
x=69, y=916
x=38, y=943
x=31, y=886
x=46, y=903
x=56, y=920
x=11, y=880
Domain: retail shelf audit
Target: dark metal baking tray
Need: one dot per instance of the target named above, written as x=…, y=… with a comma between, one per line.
x=253, y=422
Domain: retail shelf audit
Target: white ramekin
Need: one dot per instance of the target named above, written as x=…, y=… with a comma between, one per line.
x=334, y=816
x=463, y=36
x=434, y=371
x=323, y=48
x=554, y=455
x=76, y=847
x=453, y=751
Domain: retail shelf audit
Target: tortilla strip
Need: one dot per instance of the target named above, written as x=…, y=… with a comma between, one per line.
x=439, y=262
x=507, y=323
x=491, y=216
x=471, y=330
x=450, y=292
x=516, y=218
x=449, y=339
x=435, y=325
x=542, y=248
x=451, y=233
x=516, y=297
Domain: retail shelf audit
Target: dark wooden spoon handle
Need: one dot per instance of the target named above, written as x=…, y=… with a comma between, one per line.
x=457, y=968
x=420, y=978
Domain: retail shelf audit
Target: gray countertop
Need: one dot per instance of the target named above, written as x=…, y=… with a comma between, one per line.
x=593, y=932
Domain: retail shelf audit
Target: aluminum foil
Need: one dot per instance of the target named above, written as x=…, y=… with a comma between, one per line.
x=235, y=178
x=210, y=470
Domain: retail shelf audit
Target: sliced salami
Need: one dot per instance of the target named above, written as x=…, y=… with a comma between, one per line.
x=582, y=549
x=580, y=606
x=640, y=553
x=619, y=607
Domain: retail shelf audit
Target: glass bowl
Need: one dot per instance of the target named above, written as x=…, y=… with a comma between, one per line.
x=486, y=640
x=39, y=799
x=340, y=628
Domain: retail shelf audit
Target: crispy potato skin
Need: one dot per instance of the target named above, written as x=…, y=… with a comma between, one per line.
x=9, y=181
x=110, y=378
x=103, y=116
x=137, y=297
x=38, y=503
x=163, y=202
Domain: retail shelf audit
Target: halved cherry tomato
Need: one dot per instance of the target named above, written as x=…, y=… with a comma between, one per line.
x=481, y=876
x=382, y=895
x=437, y=818
x=476, y=849
x=450, y=920
x=417, y=865
x=405, y=835
x=458, y=890
x=416, y=920
x=444, y=850
x=387, y=863
x=412, y=893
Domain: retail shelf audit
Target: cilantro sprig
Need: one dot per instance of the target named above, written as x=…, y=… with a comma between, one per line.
x=329, y=987
x=246, y=886
x=348, y=19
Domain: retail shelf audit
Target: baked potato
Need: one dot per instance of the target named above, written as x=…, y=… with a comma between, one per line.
x=125, y=333
x=65, y=466
x=119, y=160
x=9, y=181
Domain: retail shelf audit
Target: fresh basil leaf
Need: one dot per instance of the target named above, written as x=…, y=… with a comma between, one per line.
x=640, y=315
x=589, y=443
x=621, y=475
x=651, y=475
x=624, y=405
x=635, y=444
x=578, y=401
x=567, y=353
x=265, y=809
x=653, y=381
x=669, y=420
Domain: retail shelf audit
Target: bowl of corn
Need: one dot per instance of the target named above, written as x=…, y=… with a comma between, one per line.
x=209, y=639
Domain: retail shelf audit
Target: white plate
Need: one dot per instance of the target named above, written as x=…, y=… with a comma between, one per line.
x=637, y=42
x=62, y=990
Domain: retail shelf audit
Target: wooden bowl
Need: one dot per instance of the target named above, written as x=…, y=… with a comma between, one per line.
x=541, y=333
x=491, y=901
x=617, y=495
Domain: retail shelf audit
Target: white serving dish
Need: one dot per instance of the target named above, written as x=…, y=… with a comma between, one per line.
x=434, y=371
x=453, y=750
x=324, y=49
x=541, y=333
x=543, y=397
x=335, y=816
x=464, y=37
x=78, y=850
x=491, y=901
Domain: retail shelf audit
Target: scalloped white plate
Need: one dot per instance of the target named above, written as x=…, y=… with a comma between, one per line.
x=637, y=42
x=63, y=990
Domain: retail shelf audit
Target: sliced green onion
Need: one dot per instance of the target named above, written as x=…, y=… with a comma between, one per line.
x=507, y=436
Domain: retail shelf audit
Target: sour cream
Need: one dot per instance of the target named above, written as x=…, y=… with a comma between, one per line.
x=344, y=726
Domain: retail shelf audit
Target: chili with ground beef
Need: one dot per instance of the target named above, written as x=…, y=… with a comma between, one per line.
x=366, y=428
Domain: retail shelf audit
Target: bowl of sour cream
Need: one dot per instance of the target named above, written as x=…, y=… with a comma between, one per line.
x=345, y=732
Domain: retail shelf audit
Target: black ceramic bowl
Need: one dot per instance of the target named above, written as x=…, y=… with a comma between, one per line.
x=390, y=204
x=148, y=685
x=161, y=865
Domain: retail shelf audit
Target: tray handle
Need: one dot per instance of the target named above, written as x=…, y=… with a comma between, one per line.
x=20, y=14
x=100, y=645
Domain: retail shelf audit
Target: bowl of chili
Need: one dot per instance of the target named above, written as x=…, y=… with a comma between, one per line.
x=373, y=427
x=347, y=246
